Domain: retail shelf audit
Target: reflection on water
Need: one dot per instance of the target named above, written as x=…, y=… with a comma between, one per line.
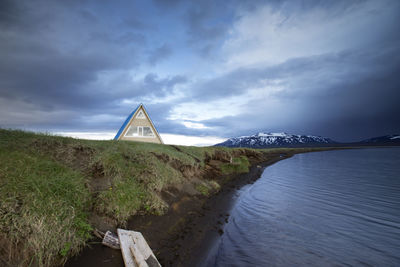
x=320, y=209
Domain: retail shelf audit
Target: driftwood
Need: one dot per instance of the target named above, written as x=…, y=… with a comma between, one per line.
x=98, y=233
x=135, y=250
x=111, y=240
x=137, y=256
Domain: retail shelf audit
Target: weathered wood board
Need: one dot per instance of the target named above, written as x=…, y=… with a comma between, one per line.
x=135, y=250
x=111, y=240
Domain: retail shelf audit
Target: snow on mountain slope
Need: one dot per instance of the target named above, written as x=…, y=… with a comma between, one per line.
x=263, y=140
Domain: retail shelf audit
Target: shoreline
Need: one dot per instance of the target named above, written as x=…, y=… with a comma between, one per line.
x=118, y=185
x=185, y=234
x=219, y=215
x=199, y=223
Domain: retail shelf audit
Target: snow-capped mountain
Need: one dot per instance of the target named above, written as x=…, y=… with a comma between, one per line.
x=394, y=138
x=263, y=140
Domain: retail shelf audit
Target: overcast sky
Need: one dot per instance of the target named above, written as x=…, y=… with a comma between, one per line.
x=213, y=69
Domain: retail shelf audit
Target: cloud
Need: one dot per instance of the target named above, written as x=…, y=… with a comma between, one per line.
x=219, y=68
x=301, y=94
x=42, y=61
x=194, y=125
x=169, y=139
x=160, y=53
x=208, y=23
x=154, y=89
x=63, y=71
x=275, y=33
x=191, y=140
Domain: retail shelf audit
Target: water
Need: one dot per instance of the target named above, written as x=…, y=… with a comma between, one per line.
x=321, y=209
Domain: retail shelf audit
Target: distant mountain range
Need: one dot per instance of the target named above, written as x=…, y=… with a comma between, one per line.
x=394, y=138
x=264, y=140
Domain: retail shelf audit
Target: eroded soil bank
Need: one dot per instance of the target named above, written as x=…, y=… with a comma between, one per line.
x=55, y=191
x=184, y=234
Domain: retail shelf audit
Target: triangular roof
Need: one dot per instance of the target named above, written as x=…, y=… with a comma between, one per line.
x=129, y=119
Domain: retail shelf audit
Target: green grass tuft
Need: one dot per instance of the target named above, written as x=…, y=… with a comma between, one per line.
x=204, y=190
x=122, y=200
x=239, y=165
x=49, y=184
x=42, y=207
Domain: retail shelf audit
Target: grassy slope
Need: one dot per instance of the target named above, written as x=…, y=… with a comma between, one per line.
x=51, y=187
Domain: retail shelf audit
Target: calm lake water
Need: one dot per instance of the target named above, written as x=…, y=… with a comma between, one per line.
x=320, y=209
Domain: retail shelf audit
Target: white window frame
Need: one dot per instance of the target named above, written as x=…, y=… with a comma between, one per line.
x=140, y=129
x=127, y=131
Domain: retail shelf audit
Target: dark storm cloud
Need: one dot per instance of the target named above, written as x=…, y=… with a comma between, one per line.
x=199, y=26
x=160, y=53
x=347, y=95
x=52, y=55
x=9, y=12
x=207, y=25
x=85, y=65
x=208, y=22
x=161, y=86
x=45, y=65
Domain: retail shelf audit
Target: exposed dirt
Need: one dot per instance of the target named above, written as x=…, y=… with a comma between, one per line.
x=188, y=171
x=98, y=181
x=73, y=155
x=182, y=236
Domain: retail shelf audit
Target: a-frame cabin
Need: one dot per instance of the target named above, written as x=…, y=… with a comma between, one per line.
x=139, y=127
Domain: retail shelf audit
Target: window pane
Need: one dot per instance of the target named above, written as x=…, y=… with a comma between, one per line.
x=140, y=115
x=140, y=131
x=132, y=131
x=147, y=131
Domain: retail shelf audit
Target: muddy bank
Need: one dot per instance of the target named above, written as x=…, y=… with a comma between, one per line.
x=184, y=234
x=82, y=185
x=202, y=230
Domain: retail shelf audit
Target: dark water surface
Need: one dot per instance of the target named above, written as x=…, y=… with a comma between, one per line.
x=321, y=209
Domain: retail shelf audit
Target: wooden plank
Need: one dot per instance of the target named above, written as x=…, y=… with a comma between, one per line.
x=137, y=256
x=98, y=233
x=126, y=242
x=135, y=250
x=111, y=240
x=141, y=243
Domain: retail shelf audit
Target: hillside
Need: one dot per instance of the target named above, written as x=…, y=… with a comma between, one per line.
x=265, y=140
x=393, y=139
x=55, y=190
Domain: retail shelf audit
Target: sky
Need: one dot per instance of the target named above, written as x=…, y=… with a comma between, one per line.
x=205, y=70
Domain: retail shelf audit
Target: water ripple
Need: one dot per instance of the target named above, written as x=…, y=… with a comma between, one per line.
x=336, y=208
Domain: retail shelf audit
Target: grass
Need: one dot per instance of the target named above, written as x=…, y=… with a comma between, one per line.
x=47, y=188
x=44, y=217
x=203, y=189
x=239, y=165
